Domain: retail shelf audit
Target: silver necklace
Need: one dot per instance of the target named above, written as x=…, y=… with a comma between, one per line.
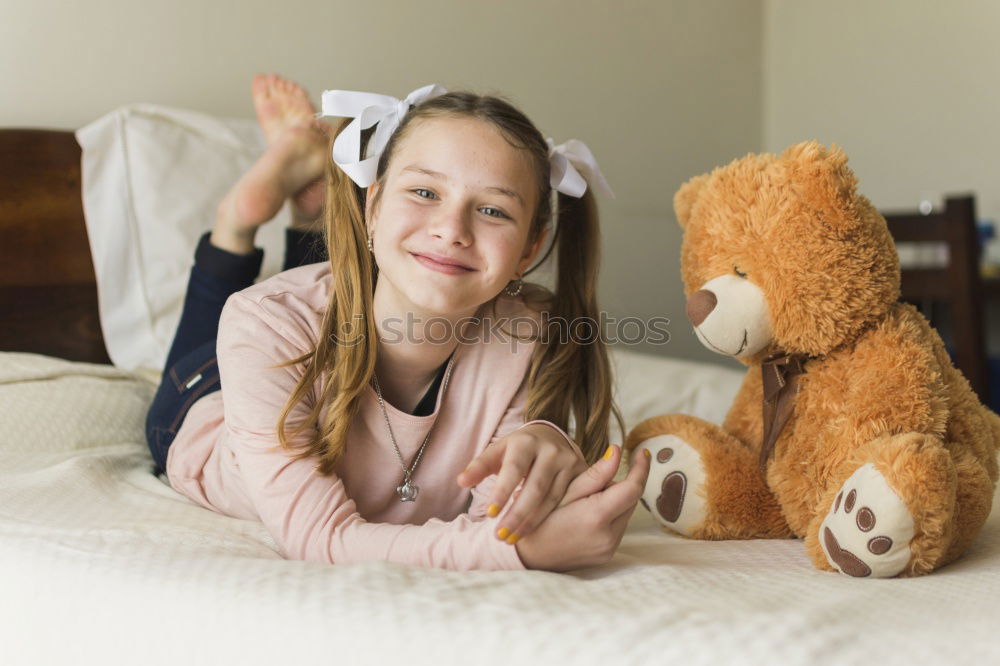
x=408, y=491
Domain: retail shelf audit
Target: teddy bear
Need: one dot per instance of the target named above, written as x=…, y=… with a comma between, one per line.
x=852, y=429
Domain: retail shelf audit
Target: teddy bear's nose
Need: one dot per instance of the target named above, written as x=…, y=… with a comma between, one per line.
x=699, y=305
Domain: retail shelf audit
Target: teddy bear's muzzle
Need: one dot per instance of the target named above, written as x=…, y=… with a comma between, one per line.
x=730, y=316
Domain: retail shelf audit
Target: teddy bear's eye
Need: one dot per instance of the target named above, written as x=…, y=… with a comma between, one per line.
x=739, y=272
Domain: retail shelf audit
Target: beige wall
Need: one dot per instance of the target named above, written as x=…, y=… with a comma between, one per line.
x=660, y=89
x=909, y=88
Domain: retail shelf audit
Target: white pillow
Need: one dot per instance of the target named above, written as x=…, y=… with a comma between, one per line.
x=152, y=179
x=648, y=385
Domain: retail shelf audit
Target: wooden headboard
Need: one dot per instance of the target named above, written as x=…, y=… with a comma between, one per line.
x=48, y=292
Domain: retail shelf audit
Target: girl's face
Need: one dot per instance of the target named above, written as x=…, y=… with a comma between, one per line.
x=451, y=226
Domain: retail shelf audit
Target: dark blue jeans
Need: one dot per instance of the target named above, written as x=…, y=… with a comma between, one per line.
x=191, y=371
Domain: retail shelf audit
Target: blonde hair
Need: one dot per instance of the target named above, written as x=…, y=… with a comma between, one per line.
x=347, y=357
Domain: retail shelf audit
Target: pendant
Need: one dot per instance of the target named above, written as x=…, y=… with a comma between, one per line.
x=407, y=492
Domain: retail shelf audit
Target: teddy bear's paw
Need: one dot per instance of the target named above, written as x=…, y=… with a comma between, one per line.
x=868, y=529
x=674, y=491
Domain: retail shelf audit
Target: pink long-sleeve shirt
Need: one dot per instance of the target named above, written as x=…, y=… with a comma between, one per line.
x=226, y=458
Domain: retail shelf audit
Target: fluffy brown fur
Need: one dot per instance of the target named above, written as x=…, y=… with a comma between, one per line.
x=879, y=387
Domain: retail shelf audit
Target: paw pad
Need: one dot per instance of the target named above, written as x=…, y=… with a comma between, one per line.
x=879, y=545
x=845, y=533
x=865, y=519
x=674, y=489
x=670, y=503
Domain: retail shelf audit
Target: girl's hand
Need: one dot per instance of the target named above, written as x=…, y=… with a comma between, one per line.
x=539, y=455
x=588, y=526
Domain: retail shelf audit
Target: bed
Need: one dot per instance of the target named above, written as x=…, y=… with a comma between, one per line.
x=102, y=562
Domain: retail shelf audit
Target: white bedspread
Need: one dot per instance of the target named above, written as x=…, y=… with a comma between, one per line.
x=102, y=563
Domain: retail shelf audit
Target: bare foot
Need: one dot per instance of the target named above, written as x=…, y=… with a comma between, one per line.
x=280, y=105
x=290, y=163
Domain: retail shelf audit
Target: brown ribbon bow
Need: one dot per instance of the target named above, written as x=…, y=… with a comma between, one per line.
x=780, y=375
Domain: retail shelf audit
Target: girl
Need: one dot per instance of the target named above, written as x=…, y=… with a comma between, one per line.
x=366, y=392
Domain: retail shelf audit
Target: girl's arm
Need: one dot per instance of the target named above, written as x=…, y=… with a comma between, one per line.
x=310, y=516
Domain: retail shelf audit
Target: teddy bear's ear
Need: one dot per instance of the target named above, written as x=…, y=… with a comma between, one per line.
x=823, y=181
x=686, y=196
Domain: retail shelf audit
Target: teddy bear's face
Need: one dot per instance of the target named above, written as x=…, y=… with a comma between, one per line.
x=781, y=254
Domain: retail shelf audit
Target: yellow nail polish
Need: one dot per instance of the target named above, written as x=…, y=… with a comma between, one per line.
x=607, y=454
x=503, y=532
x=493, y=511
x=646, y=453
x=513, y=539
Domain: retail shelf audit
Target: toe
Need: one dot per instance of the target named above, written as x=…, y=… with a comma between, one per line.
x=259, y=85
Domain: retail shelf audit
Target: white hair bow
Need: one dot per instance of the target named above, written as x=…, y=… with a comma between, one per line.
x=572, y=163
x=368, y=109
x=573, y=167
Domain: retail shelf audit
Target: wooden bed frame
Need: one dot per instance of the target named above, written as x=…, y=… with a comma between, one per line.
x=48, y=292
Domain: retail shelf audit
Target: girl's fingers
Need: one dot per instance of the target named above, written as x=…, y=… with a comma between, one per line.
x=619, y=524
x=636, y=479
x=595, y=478
x=535, y=515
x=534, y=492
x=488, y=462
x=622, y=497
x=516, y=465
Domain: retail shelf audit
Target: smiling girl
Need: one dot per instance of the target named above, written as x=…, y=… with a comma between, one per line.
x=398, y=399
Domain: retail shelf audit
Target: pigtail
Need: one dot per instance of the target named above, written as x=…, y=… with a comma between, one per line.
x=346, y=347
x=573, y=352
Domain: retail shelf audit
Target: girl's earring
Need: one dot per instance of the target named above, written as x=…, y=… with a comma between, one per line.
x=507, y=290
x=370, y=248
